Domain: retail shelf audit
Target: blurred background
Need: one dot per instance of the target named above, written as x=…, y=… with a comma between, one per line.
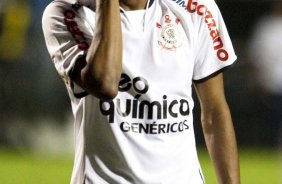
x=35, y=112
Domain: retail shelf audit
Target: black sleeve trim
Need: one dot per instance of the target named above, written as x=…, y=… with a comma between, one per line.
x=213, y=74
x=78, y=95
x=80, y=63
x=150, y=3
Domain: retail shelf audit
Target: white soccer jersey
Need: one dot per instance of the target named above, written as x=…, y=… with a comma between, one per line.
x=145, y=135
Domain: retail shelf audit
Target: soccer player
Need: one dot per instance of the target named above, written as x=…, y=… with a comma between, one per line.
x=129, y=67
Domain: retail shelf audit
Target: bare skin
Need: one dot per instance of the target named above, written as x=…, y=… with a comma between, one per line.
x=218, y=130
x=101, y=74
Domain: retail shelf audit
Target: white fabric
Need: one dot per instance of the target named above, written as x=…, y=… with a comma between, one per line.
x=145, y=135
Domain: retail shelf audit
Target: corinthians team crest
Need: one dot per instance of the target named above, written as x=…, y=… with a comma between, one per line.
x=170, y=37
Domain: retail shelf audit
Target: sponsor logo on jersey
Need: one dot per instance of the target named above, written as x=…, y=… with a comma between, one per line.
x=144, y=116
x=77, y=34
x=202, y=10
x=170, y=36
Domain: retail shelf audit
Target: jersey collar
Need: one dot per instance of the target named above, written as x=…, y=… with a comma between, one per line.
x=148, y=15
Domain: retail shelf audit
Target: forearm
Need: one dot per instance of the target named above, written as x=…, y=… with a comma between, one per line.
x=102, y=72
x=221, y=143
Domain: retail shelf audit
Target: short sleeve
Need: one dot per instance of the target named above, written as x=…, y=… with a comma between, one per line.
x=214, y=50
x=67, y=38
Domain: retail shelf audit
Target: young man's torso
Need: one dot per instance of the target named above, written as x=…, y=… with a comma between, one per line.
x=145, y=135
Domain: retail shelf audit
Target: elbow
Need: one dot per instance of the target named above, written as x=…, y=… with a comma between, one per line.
x=207, y=125
x=102, y=87
x=214, y=119
x=103, y=90
x=106, y=92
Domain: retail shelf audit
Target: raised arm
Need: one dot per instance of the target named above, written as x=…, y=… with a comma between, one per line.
x=101, y=72
x=218, y=130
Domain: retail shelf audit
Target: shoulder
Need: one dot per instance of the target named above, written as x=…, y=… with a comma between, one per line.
x=199, y=9
x=56, y=7
x=57, y=12
x=54, y=12
x=184, y=4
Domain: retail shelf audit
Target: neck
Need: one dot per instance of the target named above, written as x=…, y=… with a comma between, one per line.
x=133, y=4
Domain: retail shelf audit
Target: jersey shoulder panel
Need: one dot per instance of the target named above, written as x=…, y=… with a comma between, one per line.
x=67, y=35
x=182, y=4
x=212, y=45
x=54, y=12
x=56, y=7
